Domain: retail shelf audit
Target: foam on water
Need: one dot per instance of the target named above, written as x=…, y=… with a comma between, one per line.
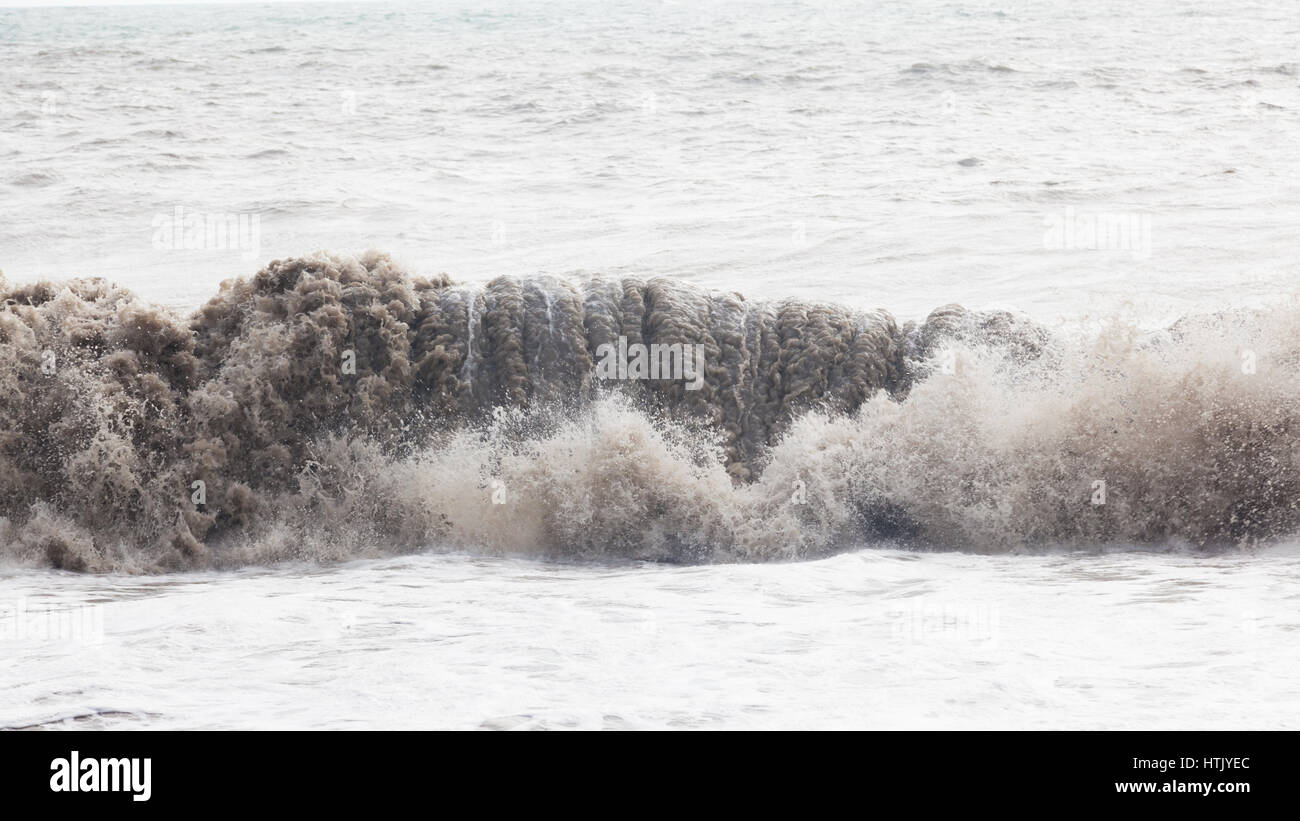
x=877, y=639
x=813, y=428
x=824, y=160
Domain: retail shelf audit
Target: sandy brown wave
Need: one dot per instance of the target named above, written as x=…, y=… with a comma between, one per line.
x=472, y=417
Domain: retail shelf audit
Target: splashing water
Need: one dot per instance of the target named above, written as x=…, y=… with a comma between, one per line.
x=333, y=407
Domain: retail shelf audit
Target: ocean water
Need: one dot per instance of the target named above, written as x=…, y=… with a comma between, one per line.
x=874, y=639
x=1103, y=168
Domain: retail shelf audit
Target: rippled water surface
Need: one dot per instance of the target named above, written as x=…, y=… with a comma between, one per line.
x=895, y=154
x=876, y=639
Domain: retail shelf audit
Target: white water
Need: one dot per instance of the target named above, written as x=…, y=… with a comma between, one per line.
x=876, y=639
x=798, y=149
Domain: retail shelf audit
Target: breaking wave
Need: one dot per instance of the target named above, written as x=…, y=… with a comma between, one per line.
x=332, y=407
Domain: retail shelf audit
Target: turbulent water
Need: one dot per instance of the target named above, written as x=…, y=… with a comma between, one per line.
x=996, y=420
x=330, y=408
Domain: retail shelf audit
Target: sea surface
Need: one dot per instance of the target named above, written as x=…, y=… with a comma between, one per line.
x=1085, y=164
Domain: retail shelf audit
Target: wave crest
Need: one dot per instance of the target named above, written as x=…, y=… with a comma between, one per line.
x=471, y=417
